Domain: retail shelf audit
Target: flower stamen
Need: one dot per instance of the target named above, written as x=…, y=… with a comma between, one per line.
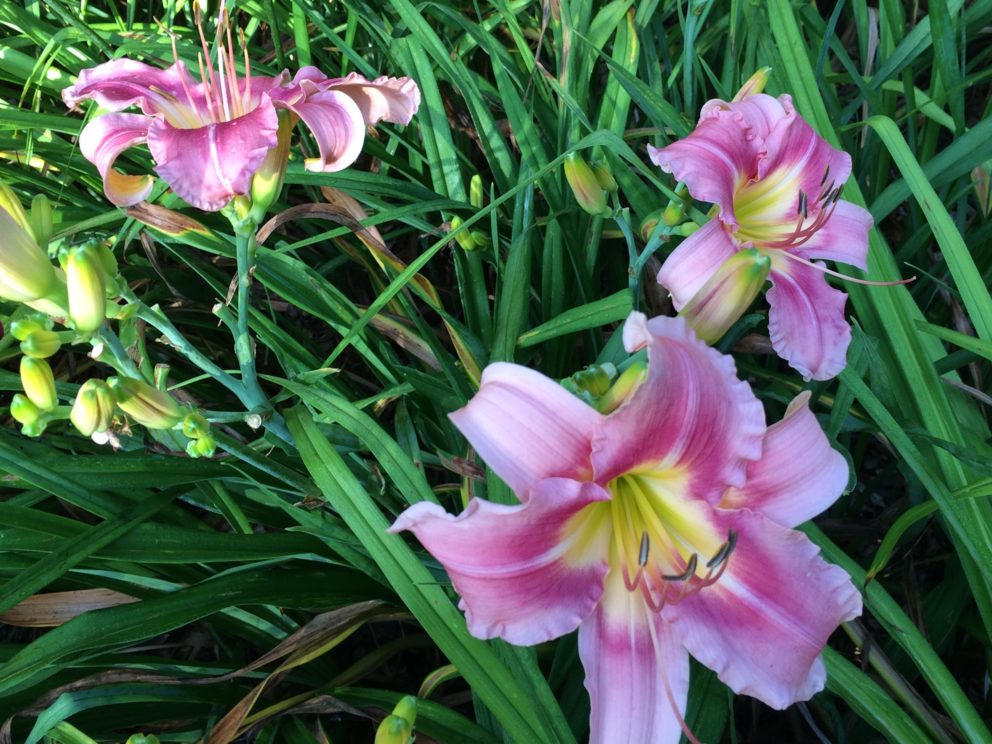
x=845, y=277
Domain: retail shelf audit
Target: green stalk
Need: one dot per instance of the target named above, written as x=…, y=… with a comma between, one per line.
x=243, y=345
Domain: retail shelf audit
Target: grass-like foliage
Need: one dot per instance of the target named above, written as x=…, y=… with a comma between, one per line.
x=254, y=594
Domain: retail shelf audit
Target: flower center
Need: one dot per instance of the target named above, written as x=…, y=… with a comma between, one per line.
x=660, y=542
x=774, y=211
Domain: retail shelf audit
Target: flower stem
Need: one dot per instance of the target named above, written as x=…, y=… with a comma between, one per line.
x=243, y=344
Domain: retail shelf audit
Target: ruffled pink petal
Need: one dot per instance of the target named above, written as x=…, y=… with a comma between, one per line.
x=106, y=137
x=637, y=675
x=843, y=237
x=763, y=625
x=796, y=151
x=334, y=119
x=717, y=158
x=120, y=83
x=760, y=112
x=522, y=574
x=692, y=414
x=696, y=259
x=799, y=474
x=527, y=427
x=385, y=98
x=209, y=165
x=806, y=322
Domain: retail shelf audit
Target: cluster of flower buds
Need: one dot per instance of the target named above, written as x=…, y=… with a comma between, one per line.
x=397, y=728
x=471, y=240
x=603, y=387
x=197, y=428
x=591, y=184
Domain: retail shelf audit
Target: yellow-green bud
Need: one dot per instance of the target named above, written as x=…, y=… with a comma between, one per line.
x=142, y=739
x=40, y=344
x=585, y=186
x=202, y=447
x=93, y=410
x=754, y=84
x=394, y=730
x=727, y=294
x=648, y=225
x=674, y=214
x=268, y=179
x=463, y=238
x=629, y=380
x=25, y=271
x=476, y=194
x=10, y=204
x=39, y=383
x=23, y=410
x=604, y=177
x=147, y=405
x=686, y=229
x=87, y=285
x=24, y=327
x=406, y=709
x=195, y=426
x=41, y=220
x=35, y=428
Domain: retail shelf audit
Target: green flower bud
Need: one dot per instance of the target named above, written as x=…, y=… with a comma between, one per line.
x=35, y=428
x=195, y=426
x=148, y=406
x=202, y=447
x=142, y=739
x=585, y=186
x=25, y=271
x=604, y=177
x=476, y=194
x=406, y=708
x=41, y=344
x=41, y=220
x=754, y=84
x=87, y=284
x=39, y=383
x=24, y=327
x=394, y=730
x=10, y=204
x=267, y=182
x=674, y=214
x=687, y=228
x=648, y=225
x=630, y=379
x=93, y=410
x=23, y=410
x=464, y=238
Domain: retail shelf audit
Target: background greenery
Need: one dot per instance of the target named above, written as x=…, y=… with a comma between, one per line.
x=272, y=605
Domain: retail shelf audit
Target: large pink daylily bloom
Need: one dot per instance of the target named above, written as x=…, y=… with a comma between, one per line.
x=776, y=184
x=209, y=137
x=659, y=530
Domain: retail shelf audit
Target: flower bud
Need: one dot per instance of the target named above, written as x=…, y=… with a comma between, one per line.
x=604, y=177
x=202, y=447
x=398, y=727
x=476, y=193
x=727, y=294
x=147, y=405
x=39, y=383
x=93, y=410
x=25, y=271
x=630, y=379
x=23, y=410
x=87, y=284
x=41, y=344
x=41, y=220
x=24, y=327
x=686, y=229
x=143, y=738
x=267, y=182
x=754, y=84
x=463, y=238
x=588, y=193
x=648, y=225
x=195, y=426
x=674, y=214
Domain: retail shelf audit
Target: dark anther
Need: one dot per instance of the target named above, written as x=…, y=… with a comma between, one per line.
x=642, y=558
x=690, y=569
x=803, y=204
x=826, y=175
x=724, y=552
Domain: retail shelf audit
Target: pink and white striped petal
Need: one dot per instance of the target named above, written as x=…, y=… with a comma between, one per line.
x=522, y=575
x=527, y=427
x=719, y=156
x=799, y=474
x=384, y=99
x=336, y=123
x=806, y=322
x=210, y=165
x=120, y=83
x=797, y=154
x=106, y=137
x=762, y=626
x=696, y=259
x=637, y=674
x=692, y=415
x=843, y=237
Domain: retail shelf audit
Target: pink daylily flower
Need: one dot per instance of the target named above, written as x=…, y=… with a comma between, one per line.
x=776, y=184
x=209, y=137
x=660, y=530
